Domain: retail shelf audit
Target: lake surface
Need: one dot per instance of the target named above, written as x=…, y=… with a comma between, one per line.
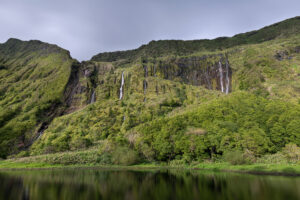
x=88, y=184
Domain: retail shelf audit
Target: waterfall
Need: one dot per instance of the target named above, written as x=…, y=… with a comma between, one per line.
x=146, y=71
x=221, y=76
x=41, y=130
x=227, y=78
x=145, y=85
x=93, y=97
x=40, y=134
x=122, y=85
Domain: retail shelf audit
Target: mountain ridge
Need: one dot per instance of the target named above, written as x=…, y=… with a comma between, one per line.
x=184, y=44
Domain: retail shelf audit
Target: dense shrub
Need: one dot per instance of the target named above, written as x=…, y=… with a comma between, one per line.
x=177, y=163
x=292, y=152
x=277, y=158
x=235, y=157
x=124, y=156
x=238, y=122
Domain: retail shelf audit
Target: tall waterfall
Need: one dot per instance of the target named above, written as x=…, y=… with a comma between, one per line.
x=122, y=85
x=221, y=76
x=227, y=78
x=93, y=98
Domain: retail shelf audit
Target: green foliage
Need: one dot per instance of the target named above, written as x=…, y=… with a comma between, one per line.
x=235, y=158
x=124, y=156
x=177, y=163
x=238, y=122
x=32, y=83
x=292, y=152
x=277, y=158
x=164, y=114
x=239, y=158
x=22, y=154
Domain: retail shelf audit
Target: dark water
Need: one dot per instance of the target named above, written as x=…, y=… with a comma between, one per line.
x=123, y=184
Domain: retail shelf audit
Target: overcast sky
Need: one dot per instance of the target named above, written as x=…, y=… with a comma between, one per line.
x=88, y=27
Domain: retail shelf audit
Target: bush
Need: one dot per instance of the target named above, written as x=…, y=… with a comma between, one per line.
x=239, y=157
x=22, y=154
x=104, y=158
x=79, y=142
x=147, y=152
x=249, y=156
x=124, y=156
x=177, y=163
x=277, y=158
x=292, y=152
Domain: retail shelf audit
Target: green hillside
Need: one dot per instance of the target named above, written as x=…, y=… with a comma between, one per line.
x=170, y=101
x=33, y=77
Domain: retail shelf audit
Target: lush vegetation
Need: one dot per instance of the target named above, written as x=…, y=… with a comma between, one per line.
x=241, y=121
x=164, y=115
x=92, y=158
x=32, y=79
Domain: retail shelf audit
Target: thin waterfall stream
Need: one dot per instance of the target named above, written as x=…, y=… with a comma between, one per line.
x=227, y=78
x=93, y=97
x=122, y=85
x=221, y=76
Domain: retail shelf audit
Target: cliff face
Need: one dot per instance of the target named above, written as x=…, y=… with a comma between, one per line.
x=90, y=81
x=83, y=81
x=212, y=72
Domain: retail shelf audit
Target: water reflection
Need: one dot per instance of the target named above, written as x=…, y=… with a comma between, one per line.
x=121, y=184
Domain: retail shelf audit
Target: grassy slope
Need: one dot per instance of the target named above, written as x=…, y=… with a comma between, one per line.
x=255, y=69
x=33, y=78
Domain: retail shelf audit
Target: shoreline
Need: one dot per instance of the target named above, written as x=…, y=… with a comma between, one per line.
x=291, y=170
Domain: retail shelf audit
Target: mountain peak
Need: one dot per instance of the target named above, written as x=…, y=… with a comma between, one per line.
x=13, y=46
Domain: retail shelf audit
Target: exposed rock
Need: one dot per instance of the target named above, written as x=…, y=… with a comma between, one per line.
x=212, y=72
x=73, y=88
x=280, y=55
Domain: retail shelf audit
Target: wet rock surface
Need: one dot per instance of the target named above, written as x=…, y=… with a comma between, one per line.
x=211, y=72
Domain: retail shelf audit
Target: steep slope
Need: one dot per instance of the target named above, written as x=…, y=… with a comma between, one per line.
x=33, y=79
x=123, y=99
x=161, y=91
x=175, y=100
